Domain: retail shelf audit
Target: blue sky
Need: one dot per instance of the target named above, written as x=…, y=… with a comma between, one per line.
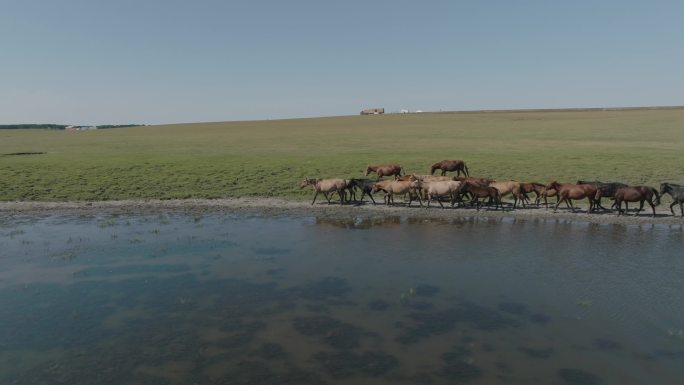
x=149, y=61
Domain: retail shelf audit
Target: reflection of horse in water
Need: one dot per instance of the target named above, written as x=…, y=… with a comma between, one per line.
x=450, y=165
x=676, y=192
x=639, y=194
x=361, y=223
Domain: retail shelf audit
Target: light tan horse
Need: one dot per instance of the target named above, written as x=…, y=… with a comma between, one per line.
x=400, y=187
x=327, y=186
x=511, y=187
x=438, y=189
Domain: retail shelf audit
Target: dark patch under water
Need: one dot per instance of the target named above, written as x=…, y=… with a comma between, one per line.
x=193, y=300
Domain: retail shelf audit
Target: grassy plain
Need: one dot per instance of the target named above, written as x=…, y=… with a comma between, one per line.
x=269, y=158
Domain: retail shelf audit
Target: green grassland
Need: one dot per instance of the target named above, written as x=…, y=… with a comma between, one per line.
x=269, y=158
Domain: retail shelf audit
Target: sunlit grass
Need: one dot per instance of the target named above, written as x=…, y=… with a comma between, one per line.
x=268, y=158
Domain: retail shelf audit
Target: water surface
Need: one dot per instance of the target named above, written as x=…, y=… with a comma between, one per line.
x=219, y=299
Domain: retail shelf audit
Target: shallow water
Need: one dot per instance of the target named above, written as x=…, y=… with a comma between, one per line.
x=249, y=300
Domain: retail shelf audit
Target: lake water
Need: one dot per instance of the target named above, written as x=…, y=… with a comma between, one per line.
x=220, y=299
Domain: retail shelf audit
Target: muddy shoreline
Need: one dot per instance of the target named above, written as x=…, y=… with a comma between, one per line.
x=284, y=207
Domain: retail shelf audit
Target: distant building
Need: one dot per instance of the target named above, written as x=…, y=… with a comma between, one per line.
x=373, y=111
x=80, y=128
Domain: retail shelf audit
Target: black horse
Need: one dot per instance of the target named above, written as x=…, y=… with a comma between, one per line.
x=604, y=189
x=365, y=185
x=676, y=192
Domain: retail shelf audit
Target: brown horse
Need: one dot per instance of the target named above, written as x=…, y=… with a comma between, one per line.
x=327, y=186
x=385, y=170
x=568, y=191
x=478, y=191
x=450, y=165
x=532, y=187
x=639, y=194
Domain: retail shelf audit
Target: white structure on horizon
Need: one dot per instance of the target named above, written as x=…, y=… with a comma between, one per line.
x=80, y=128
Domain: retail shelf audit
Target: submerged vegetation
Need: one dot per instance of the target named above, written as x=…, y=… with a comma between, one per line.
x=270, y=158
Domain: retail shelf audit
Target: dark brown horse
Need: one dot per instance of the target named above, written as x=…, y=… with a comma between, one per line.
x=385, y=170
x=639, y=194
x=604, y=189
x=569, y=191
x=478, y=191
x=450, y=165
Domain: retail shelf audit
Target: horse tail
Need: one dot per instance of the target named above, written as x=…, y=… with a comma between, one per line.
x=465, y=166
x=657, y=195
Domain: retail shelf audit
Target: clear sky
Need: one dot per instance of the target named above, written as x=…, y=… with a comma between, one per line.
x=163, y=61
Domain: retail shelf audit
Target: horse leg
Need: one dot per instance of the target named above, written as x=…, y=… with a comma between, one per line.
x=681, y=207
x=342, y=195
x=371, y=197
x=314, y=200
x=558, y=204
x=440, y=202
x=652, y=207
x=443, y=172
x=671, y=206
x=325, y=194
x=641, y=207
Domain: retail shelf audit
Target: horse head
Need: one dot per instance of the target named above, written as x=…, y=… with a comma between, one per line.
x=434, y=167
x=307, y=182
x=665, y=188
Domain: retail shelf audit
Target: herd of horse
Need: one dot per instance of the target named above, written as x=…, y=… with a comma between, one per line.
x=467, y=191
